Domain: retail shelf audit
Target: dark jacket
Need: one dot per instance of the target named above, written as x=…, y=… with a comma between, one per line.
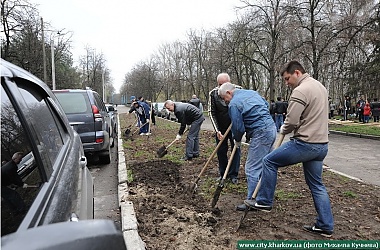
x=218, y=111
x=142, y=109
x=375, y=107
x=280, y=107
x=195, y=101
x=186, y=114
x=9, y=175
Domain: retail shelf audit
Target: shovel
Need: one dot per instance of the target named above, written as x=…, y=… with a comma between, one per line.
x=194, y=187
x=162, y=151
x=279, y=141
x=134, y=132
x=219, y=189
x=128, y=130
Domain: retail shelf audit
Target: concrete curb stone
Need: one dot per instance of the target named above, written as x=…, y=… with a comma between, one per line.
x=129, y=224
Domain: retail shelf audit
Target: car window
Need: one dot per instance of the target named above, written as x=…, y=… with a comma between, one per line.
x=50, y=132
x=99, y=102
x=16, y=200
x=73, y=103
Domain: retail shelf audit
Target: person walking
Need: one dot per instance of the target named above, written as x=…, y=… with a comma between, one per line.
x=220, y=120
x=308, y=119
x=249, y=113
x=347, y=107
x=187, y=114
x=279, y=112
x=360, y=109
x=366, y=112
x=9, y=178
x=375, y=107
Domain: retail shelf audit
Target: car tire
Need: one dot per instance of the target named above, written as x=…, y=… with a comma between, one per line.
x=105, y=157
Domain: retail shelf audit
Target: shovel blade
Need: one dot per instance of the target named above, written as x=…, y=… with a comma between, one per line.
x=161, y=152
x=217, y=193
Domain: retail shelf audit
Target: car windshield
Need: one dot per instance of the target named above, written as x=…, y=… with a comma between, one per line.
x=72, y=103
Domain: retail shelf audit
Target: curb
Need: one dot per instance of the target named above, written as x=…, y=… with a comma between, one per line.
x=129, y=224
x=372, y=137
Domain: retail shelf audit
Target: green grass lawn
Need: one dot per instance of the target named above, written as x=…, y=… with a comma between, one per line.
x=358, y=129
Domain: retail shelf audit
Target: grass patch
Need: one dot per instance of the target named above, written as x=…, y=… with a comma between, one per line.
x=283, y=195
x=358, y=129
x=129, y=176
x=349, y=194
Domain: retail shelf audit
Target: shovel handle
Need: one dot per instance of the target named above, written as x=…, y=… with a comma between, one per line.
x=215, y=150
x=230, y=162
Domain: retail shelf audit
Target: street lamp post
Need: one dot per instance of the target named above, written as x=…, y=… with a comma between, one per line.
x=52, y=63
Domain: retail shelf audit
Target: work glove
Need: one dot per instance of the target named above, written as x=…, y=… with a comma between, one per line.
x=238, y=144
x=25, y=185
x=178, y=137
x=282, y=129
x=147, y=120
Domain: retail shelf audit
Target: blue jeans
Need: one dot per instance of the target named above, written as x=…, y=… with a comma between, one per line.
x=311, y=155
x=223, y=159
x=192, y=140
x=279, y=119
x=260, y=145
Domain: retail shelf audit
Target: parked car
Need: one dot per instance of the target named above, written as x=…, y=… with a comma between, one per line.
x=59, y=186
x=88, y=115
x=112, y=111
x=158, y=107
x=168, y=114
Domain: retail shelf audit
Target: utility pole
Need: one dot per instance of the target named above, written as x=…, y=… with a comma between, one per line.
x=43, y=50
x=52, y=63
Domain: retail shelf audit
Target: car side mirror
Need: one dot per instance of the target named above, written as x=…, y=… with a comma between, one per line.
x=86, y=234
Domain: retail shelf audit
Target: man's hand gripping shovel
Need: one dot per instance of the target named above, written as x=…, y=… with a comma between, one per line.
x=195, y=185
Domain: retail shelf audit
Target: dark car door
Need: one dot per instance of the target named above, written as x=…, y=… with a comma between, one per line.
x=59, y=185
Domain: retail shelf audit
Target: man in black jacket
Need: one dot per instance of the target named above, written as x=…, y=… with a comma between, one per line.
x=10, y=177
x=218, y=112
x=279, y=112
x=187, y=114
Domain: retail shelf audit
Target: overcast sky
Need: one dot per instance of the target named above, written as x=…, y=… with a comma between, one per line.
x=129, y=31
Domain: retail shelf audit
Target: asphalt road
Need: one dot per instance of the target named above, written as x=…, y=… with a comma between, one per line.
x=105, y=178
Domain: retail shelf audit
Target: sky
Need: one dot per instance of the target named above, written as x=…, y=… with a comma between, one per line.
x=130, y=31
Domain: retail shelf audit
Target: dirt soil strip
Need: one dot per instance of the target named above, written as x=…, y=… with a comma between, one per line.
x=169, y=218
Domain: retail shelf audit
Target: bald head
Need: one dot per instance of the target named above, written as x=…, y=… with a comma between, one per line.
x=222, y=78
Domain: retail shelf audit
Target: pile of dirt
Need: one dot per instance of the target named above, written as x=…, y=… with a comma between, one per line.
x=170, y=217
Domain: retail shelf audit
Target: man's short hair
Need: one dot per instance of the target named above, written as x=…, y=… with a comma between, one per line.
x=17, y=155
x=291, y=67
x=225, y=87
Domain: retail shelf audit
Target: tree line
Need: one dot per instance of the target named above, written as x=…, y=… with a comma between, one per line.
x=338, y=42
x=34, y=45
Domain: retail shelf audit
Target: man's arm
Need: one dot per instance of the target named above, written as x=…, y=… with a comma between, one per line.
x=212, y=109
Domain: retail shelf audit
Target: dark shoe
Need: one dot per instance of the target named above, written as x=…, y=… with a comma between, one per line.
x=234, y=181
x=242, y=207
x=253, y=205
x=195, y=156
x=315, y=230
x=185, y=158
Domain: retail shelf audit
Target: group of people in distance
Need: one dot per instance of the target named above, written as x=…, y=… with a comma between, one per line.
x=248, y=112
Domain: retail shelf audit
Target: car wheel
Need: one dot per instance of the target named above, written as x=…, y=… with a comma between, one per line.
x=105, y=159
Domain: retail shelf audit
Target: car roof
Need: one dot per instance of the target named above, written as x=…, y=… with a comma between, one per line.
x=12, y=71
